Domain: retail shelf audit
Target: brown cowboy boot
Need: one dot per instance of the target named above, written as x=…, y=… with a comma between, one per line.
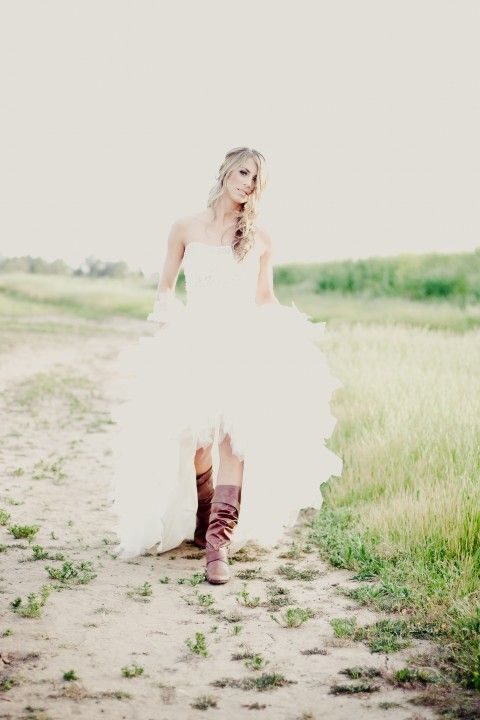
x=223, y=520
x=205, y=495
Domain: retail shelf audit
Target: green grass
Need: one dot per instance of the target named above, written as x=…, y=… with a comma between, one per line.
x=247, y=600
x=99, y=298
x=35, y=602
x=195, y=579
x=199, y=646
x=24, y=297
x=262, y=683
x=338, y=310
x=359, y=687
x=130, y=671
x=455, y=276
x=405, y=515
x=290, y=572
x=203, y=702
x=24, y=531
x=293, y=617
x=70, y=675
x=71, y=573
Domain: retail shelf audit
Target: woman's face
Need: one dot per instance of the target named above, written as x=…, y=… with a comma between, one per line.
x=242, y=181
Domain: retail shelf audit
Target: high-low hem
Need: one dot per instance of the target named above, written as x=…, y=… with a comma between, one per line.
x=254, y=373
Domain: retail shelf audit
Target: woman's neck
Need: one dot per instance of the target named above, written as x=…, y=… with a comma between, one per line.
x=225, y=212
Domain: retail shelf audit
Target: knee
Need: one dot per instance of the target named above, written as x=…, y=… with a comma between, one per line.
x=225, y=448
x=203, y=453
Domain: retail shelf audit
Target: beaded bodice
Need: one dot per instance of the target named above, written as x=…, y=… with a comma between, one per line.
x=215, y=280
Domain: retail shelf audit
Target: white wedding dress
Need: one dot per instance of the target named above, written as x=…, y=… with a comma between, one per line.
x=221, y=364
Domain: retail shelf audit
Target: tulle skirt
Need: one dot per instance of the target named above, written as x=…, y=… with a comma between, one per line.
x=257, y=374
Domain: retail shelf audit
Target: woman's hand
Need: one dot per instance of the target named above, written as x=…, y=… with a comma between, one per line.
x=166, y=307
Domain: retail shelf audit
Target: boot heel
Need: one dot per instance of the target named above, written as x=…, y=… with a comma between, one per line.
x=217, y=566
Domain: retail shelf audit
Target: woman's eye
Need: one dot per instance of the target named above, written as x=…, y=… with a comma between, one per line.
x=244, y=172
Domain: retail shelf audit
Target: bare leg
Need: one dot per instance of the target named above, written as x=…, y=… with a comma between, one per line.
x=203, y=459
x=204, y=479
x=230, y=470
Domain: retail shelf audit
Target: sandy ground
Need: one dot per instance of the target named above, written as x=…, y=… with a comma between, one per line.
x=54, y=454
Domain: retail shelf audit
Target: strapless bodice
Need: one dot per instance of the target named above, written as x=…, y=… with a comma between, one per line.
x=215, y=280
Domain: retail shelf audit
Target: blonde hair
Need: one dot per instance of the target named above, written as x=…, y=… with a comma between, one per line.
x=244, y=221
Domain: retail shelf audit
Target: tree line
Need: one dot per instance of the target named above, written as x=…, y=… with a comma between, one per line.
x=454, y=276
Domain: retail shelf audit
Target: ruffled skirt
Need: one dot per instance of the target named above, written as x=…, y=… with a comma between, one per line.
x=258, y=375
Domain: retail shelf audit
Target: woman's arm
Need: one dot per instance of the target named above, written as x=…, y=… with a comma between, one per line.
x=265, y=291
x=166, y=304
x=173, y=258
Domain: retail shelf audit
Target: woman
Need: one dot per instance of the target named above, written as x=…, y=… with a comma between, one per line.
x=232, y=387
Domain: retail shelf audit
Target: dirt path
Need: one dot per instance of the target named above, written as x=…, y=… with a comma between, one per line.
x=54, y=454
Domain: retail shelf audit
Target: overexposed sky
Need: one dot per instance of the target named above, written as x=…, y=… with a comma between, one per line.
x=116, y=115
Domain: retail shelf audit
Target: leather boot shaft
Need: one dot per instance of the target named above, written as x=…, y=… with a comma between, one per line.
x=204, y=495
x=223, y=520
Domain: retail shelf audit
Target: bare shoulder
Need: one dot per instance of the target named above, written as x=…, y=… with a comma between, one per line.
x=182, y=228
x=194, y=222
x=186, y=222
x=262, y=236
